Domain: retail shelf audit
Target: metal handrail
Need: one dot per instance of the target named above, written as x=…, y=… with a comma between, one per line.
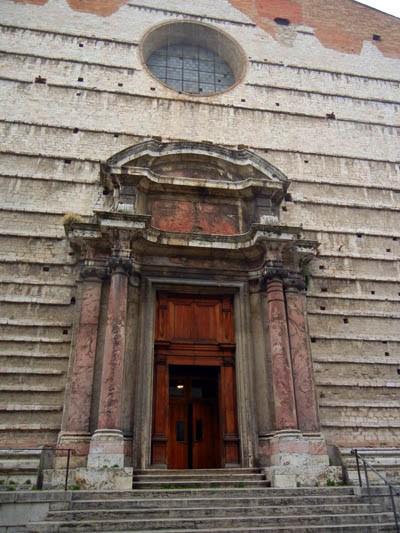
x=57, y=448
x=393, y=490
x=39, y=481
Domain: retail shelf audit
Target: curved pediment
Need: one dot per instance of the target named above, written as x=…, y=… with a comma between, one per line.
x=190, y=198
x=189, y=187
x=195, y=161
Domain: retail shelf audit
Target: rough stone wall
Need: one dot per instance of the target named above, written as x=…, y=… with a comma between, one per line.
x=74, y=92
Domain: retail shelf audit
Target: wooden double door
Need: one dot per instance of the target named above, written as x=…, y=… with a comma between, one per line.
x=194, y=435
x=195, y=416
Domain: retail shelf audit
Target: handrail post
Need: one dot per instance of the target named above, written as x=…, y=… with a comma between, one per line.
x=358, y=467
x=39, y=477
x=367, y=481
x=392, y=493
x=67, y=469
x=396, y=520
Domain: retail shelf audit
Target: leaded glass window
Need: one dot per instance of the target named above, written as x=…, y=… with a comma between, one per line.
x=191, y=69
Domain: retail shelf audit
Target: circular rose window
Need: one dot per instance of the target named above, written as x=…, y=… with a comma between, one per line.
x=193, y=58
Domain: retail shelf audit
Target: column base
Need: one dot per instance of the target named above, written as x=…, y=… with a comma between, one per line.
x=106, y=449
x=78, y=443
x=291, y=459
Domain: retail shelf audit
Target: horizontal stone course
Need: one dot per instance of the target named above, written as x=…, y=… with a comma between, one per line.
x=57, y=44
x=96, y=108
x=66, y=73
x=345, y=187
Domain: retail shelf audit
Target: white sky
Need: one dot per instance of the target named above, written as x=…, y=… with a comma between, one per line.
x=389, y=6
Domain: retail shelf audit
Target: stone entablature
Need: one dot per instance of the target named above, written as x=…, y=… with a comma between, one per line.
x=146, y=176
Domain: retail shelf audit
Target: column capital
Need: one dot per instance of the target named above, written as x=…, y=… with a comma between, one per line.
x=120, y=265
x=92, y=272
x=274, y=270
x=294, y=282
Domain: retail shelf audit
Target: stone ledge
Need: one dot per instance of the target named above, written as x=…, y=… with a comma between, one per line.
x=290, y=477
x=28, y=407
x=91, y=478
x=21, y=496
x=30, y=388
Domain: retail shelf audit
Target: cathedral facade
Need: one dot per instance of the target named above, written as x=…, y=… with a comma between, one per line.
x=199, y=227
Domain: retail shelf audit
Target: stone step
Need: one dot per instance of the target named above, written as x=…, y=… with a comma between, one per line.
x=197, y=477
x=211, y=523
x=211, y=511
x=212, y=502
x=204, y=471
x=342, y=528
x=20, y=465
x=23, y=455
x=261, y=491
x=187, y=484
x=32, y=497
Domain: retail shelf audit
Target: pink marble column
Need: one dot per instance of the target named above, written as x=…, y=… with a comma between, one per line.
x=303, y=377
x=107, y=442
x=81, y=379
x=110, y=406
x=282, y=380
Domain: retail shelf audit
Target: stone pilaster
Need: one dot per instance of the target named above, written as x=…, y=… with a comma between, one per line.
x=295, y=452
x=75, y=427
x=300, y=350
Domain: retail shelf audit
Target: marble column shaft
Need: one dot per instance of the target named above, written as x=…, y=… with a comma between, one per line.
x=110, y=405
x=303, y=377
x=284, y=399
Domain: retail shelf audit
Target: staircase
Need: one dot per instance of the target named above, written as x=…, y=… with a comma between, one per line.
x=216, y=501
x=385, y=460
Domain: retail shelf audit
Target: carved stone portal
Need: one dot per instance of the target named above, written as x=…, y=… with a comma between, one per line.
x=197, y=219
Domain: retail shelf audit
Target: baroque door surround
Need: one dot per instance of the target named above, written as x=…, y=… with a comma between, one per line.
x=129, y=249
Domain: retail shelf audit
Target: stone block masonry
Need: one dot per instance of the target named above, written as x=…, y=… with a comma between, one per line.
x=96, y=98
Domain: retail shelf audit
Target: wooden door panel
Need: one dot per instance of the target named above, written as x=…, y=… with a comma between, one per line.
x=160, y=420
x=206, y=436
x=205, y=320
x=227, y=320
x=194, y=319
x=178, y=438
x=182, y=320
x=229, y=414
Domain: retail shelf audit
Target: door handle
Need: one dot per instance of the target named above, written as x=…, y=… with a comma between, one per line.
x=180, y=431
x=198, y=432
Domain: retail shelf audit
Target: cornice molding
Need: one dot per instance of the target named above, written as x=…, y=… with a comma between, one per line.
x=157, y=149
x=147, y=180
